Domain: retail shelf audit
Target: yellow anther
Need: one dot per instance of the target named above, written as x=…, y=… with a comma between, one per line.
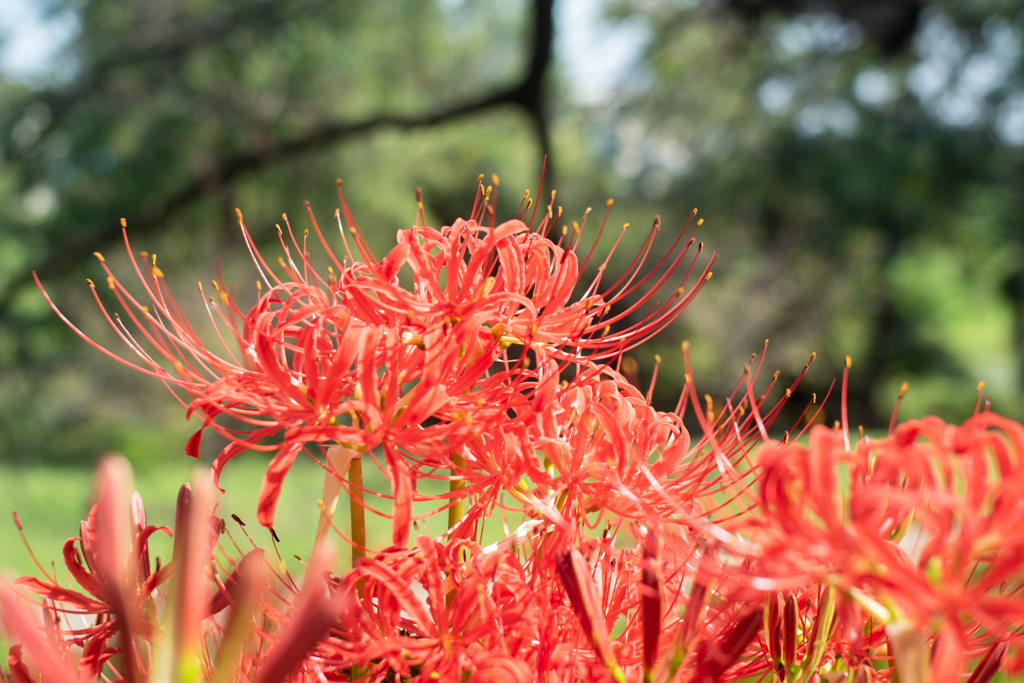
x=110, y=281
x=657, y=358
x=99, y=256
x=238, y=212
x=700, y=222
x=157, y=272
x=90, y=282
x=124, y=223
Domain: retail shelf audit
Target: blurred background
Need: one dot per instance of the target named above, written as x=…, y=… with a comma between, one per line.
x=859, y=165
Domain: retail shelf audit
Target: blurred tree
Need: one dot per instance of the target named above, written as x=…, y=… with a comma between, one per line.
x=861, y=167
x=859, y=164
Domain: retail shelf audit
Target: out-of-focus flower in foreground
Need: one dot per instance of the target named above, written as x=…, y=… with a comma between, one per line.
x=192, y=618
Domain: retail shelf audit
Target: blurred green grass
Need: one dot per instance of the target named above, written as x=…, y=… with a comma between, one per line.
x=51, y=501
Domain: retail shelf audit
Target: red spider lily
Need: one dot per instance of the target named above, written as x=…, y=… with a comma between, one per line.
x=475, y=355
x=106, y=565
x=955, y=489
x=356, y=359
x=146, y=628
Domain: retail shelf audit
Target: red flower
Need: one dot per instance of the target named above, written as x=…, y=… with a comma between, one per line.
x=358, y=359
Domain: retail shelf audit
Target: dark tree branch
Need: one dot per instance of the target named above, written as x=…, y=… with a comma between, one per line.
x=528, y=93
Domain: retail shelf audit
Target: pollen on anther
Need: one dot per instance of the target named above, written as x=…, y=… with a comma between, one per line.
x=110, y=281
x=90, y=282
x=124, y=223
x=700, y=222
x=99, y=256
x=849, y=362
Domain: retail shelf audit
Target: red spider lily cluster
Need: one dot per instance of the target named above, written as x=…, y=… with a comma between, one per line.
x=477, y=355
